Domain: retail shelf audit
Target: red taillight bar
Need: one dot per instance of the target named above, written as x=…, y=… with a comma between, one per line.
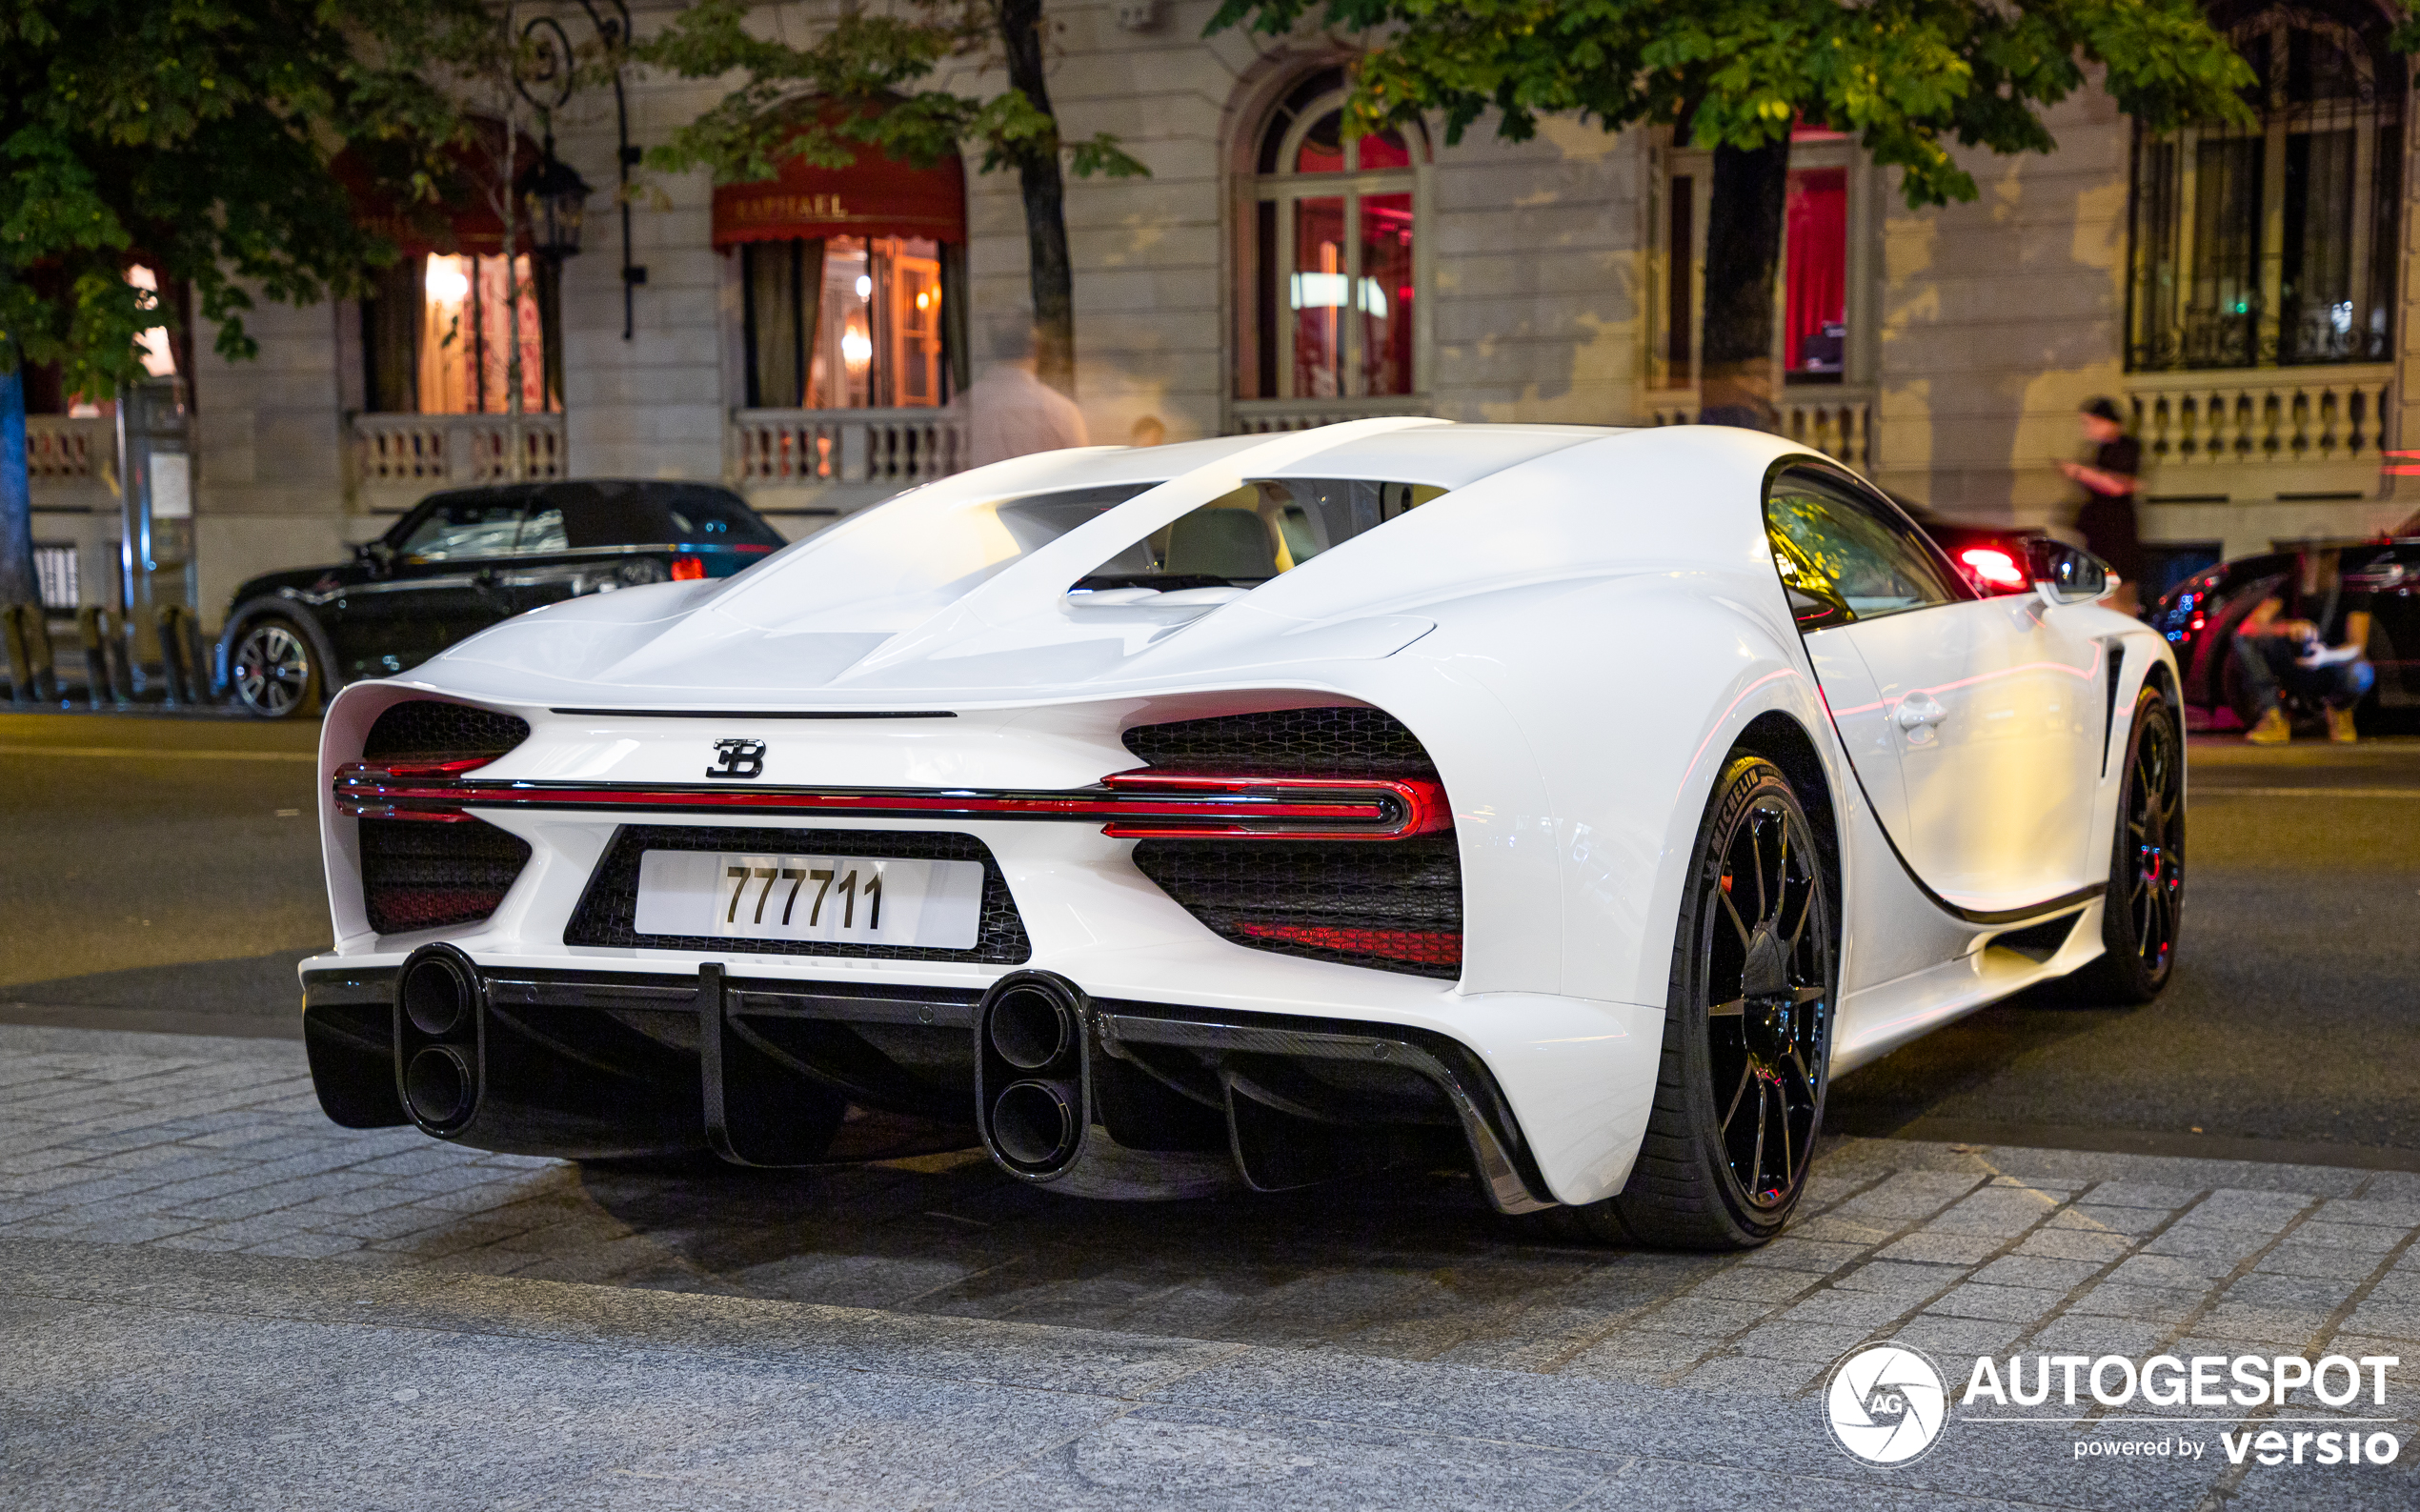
x=1136, y=804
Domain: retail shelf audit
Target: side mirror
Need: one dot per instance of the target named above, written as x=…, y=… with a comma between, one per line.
x=376, y=555
x=2064, y=573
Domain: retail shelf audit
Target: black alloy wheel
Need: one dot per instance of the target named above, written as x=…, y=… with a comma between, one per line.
x=1747, y=1028
x=271, y=670
x=2146, y=898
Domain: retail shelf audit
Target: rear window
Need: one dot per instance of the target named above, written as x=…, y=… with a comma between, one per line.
x=1237, y=541
x=657, y=515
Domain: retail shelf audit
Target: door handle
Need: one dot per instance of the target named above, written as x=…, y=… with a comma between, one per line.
x=1920, y=712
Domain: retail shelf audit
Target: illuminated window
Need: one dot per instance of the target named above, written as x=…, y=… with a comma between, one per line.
x=871, y=336
x=1335, y=286
x=439, y=330
x=2274, y=244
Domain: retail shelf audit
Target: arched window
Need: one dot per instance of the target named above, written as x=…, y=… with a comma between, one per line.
x=2274, y=245
x=1337, y=282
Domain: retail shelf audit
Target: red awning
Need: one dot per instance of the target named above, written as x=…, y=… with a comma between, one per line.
x=465, y=219
x=874, y=197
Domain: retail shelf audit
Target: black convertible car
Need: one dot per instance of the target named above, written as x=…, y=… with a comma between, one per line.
x=2200, y=616
x=461, y=561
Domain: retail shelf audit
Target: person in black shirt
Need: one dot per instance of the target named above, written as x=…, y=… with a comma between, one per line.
x=2107, y=519
x=2273, y=649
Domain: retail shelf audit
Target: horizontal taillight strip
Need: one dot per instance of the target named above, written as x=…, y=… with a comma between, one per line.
x=1135, y=804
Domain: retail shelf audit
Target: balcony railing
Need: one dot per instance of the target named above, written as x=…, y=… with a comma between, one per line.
x=1265, y=417
x=2279, y=416
x=1839, y=423
x=64, y=448
x=806, y=446
x=438, y=451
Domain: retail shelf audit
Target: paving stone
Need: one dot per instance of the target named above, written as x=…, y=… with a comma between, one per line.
x=1867, y=1310
x=2139, y=1193
x=1696, y=1314
x=2150, y=1304
x=2327, y=1261
x=1803, y=1255
x=1944, y=1336
x=1899, y=1278
x=1804, y=1341
x=1944, y=1249
x=1756, y=1377
x=2390, y=1319
x=2084, y=1334
x=2378, y=1212
x=1907, y=1195
x=2179, y=1272
x=2258, y=1210
x=2074, y=1244
x=2050, y=1275
x=1750, y=1283
x=2007, y=1303
x=2109, y=1219
x=2001, y=1212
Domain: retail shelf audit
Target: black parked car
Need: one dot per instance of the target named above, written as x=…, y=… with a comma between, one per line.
x=2200, y=615
x=461, y=561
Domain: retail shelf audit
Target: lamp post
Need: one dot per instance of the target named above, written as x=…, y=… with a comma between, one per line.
x=554, y=77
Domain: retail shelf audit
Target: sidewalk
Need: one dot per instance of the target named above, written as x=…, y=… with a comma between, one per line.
x=214, y=1298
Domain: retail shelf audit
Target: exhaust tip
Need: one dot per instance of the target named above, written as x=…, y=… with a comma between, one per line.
x=438, y=1084
x=436, y=996
x=1033, y=1123
x=1031, y=1027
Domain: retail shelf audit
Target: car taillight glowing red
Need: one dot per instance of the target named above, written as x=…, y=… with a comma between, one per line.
x=688, y=569
x=1993, y=566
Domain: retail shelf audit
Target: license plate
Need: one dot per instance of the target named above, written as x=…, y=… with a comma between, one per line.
x=846, y=899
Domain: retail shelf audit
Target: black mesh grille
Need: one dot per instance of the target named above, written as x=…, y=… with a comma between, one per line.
x=1327, y=742
x=1395, y=905
x=428, y=727
x=416, y=873
x=608, y=911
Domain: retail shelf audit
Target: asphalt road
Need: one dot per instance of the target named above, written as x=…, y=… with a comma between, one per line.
x=164, y=873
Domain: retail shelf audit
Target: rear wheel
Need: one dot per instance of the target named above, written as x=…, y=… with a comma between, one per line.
x=1748, y=1029
x=2146, y=896
x=272, y=669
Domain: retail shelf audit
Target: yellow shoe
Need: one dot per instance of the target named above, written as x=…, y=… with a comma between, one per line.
x=2340, y=727
x=2272, y=730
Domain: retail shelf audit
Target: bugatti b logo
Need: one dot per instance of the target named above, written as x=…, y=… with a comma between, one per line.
x=738, y=759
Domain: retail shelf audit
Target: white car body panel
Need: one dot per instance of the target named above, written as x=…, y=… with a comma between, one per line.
x=1578, y=632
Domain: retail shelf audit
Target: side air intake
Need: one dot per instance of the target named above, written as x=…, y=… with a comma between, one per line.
x=1393, y=905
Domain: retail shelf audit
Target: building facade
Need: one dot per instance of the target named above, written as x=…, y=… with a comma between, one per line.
x=2246, y=294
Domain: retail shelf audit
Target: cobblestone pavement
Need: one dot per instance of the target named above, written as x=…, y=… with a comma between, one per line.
x=195, y=1143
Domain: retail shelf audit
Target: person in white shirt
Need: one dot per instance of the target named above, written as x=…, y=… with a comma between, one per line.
x=1011, y=412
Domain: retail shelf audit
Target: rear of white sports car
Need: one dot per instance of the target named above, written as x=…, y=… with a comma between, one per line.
x=701, y=871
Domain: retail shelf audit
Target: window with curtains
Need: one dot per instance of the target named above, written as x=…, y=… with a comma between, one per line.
x=2274, y=244
x=1337, y=276
x=849, y=323
x=1813, y=309
x=438, y=332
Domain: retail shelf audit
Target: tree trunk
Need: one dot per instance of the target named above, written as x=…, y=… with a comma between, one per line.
x=1742, y=261
x=17, y=582
x=1046, y=191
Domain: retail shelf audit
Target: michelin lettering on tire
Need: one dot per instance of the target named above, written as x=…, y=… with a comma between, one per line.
x=1887, y=1404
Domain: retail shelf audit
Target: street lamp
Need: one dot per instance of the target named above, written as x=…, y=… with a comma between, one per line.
x=549, y=85
x=557, y=196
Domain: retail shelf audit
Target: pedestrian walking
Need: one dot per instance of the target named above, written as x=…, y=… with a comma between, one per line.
x=1011, y=412
x=2106, y=515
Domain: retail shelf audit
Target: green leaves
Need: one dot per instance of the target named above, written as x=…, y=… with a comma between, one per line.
x=192, y=136
x=859, y=82
x=1907, y=78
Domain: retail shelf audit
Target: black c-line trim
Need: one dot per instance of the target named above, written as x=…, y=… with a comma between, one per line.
x=761, y=713
x=2113, y=652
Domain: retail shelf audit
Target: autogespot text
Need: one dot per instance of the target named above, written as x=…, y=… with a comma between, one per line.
x=2245, y=1382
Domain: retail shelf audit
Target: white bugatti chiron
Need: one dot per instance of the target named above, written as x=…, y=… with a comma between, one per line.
x=1257, y=812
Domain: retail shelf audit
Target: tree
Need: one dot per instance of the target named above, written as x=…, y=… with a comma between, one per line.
x=862, y=82
x=1906, y=77
x=192, y=136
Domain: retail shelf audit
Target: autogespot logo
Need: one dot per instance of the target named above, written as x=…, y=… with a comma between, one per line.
x=1887, y=1404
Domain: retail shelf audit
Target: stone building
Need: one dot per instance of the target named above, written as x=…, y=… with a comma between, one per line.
x=2246, y=293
